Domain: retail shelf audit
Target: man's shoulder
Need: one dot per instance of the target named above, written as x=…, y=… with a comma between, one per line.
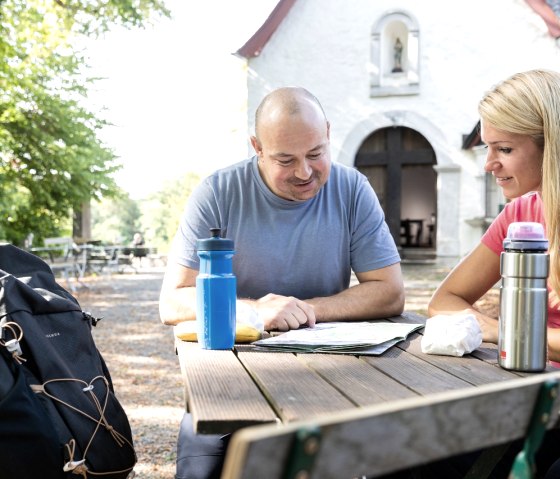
x=239, y=168
x=344, y=171
x=344, y=175
x=237, y=174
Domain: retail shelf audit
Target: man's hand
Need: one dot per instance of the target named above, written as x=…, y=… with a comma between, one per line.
x=283, y=313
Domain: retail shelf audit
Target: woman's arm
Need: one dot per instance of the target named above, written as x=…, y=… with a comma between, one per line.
x=469, y=281
x=554, y=344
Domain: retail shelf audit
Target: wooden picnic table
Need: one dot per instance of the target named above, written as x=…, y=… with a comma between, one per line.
x=118, y=257
x=229, y=390
x=226, y=391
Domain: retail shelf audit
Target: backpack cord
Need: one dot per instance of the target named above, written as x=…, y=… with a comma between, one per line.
x=79, y=467
x=13, y=345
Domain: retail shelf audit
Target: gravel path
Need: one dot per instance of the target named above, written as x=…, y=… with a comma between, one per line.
x=140, y=354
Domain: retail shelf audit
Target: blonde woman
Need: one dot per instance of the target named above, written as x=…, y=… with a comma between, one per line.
x=520, y=125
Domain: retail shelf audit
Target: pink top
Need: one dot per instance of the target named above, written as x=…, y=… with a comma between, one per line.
x=528, y=207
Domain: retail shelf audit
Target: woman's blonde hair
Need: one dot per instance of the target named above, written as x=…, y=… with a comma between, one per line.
x=528, y=103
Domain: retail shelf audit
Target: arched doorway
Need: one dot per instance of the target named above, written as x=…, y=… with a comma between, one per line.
x=399, y=163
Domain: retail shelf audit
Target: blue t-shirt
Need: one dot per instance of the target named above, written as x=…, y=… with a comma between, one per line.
x=304, y=249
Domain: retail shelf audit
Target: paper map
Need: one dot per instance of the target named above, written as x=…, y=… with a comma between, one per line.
x=365, y=337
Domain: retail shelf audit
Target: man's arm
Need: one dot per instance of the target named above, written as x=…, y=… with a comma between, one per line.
x=380, y=294
x=177, y=299
x=177, y=303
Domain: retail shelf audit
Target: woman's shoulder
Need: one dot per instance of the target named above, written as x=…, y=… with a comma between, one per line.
x=526, y=208
x=533, y=197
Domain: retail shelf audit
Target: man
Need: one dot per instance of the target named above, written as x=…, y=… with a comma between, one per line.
x=300, y=225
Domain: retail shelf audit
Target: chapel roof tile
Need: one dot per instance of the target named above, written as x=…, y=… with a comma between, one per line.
x=254, y=46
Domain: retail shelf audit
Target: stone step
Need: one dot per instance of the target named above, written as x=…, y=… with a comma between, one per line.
x=418, y=255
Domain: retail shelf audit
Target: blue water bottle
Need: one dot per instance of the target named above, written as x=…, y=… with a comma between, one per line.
x=216, y=292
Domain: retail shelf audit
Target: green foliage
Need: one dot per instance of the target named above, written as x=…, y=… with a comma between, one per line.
x=115, y=220
x=96, y=16
x=162, y=211
x=50, y=156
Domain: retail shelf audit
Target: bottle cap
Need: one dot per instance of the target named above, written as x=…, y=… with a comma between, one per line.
x=215, y=242
x=525, y=236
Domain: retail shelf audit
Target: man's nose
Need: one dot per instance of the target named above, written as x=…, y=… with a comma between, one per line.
x=303, y=170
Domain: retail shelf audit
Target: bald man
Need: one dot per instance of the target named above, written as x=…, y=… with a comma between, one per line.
x=300, y=224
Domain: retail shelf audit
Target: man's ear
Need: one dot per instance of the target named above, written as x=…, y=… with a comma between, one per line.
x=256, y=145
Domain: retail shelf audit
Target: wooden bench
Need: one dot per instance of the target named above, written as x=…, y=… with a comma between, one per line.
x=149, y=254
x=387, y=437
x=63, y=256
x=156, y=259
x=109, y=259
x=132, y=256
x=121, y=259
x=117, y=258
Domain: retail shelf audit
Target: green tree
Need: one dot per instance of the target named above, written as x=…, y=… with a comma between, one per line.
x=115, y=220
x=51, y=158
x=162, y=211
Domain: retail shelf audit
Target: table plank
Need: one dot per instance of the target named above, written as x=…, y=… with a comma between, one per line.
x=415, y=373
x=355, y=378
x=467, y=367
x=487, y=352
x=409, y=317
x=220, y=395
x=295, y=391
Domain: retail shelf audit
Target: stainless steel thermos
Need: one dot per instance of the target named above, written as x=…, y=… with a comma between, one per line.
x=524, y=263
x=216, y=291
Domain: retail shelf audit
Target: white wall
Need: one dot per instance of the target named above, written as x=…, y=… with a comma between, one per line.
x=465, y=48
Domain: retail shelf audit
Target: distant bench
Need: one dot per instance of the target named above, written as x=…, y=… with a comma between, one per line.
x=148, y=252
x=67, y=258
x=63, y=256
x=118, y=258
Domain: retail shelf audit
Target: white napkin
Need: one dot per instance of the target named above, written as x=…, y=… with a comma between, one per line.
x=451, y=335
x=245, y=314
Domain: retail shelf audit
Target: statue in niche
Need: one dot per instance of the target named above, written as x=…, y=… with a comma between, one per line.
x=397, y=56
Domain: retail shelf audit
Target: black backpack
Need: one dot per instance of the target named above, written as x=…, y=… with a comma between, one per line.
x=59, y=417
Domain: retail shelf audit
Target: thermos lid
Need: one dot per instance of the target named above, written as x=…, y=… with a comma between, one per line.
x=215, y=242
x=525, y=236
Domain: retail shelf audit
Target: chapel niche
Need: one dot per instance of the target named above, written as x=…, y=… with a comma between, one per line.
x=395, y=55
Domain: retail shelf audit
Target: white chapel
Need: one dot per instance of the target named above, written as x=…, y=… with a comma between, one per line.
x=400, y=82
